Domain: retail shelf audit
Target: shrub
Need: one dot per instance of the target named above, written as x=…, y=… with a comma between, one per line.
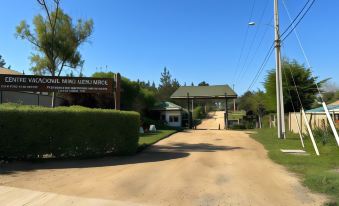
x=198, y=113
x=31, y=131
x=323, y=135
x=159, y=124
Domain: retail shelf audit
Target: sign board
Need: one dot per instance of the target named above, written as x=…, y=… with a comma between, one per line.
x=55, y=84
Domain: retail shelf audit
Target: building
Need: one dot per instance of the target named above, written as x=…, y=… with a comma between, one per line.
x=221, y=93
x=26, y=98
x=169, y=112
x=316, y=117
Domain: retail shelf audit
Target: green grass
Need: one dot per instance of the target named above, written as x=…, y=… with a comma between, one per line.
x=316, y=172
x=148, y=139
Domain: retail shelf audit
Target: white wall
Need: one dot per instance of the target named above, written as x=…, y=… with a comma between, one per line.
x=172, y=113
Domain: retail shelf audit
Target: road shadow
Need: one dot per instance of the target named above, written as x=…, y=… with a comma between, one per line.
x=143, y=157
x=155, y=153
x=200, y=147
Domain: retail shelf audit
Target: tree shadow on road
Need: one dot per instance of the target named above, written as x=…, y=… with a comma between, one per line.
x=200, y=147
x=143, y=157
x=155, y=153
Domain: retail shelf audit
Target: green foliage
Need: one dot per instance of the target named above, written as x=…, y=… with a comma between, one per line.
x=330, y=97
x=137, y=96
x=253, y=102
x=3, y=63
x=306, y=86
x=103, y=75
x=319, y=173
x=31, y=131
x=148, y=139
x=198, y=113
x=56, y=40
x=203, y=83
x=323, y=135
x=245, y=124
x=159, y=124
x=167, y=86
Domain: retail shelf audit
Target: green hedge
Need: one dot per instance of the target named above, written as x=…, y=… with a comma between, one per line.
x=31, y=132
x=199, y=113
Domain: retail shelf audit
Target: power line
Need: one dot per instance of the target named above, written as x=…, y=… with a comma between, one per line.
x=293, y=25
x=300, y=44
x=245, y=40
x=298, y=22
x=294, y=111
x=267, y=57
x=244, y=68
x=295, y=18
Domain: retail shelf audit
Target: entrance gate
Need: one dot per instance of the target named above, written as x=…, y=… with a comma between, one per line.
x=193, y=93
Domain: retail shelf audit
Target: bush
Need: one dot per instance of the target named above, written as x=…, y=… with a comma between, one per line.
x=198, y=113
x=159, y=124
x=323, y=135
x=245, y=124
x=31, y=131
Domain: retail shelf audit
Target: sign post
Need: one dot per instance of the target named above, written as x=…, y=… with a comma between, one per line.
x=117, y=91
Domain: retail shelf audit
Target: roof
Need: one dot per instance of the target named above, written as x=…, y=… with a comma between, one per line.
x=9, y=71
x=166, y=106
x=331, y=108
x=204, y=92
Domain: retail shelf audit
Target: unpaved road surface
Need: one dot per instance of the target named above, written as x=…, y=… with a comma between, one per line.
x=214, y=121
x=201, y=167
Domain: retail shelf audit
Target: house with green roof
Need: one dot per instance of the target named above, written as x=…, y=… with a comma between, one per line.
x=316, y=117
x=169, y=112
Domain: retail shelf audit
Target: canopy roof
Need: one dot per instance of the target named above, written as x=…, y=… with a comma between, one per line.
x=166, y=106
x=204, y=92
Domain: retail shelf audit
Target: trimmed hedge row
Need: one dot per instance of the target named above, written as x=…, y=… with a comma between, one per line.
x=31, y=132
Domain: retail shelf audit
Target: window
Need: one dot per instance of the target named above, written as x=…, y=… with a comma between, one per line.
x=173, y=118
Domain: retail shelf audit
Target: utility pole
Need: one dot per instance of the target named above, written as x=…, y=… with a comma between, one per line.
x=279, y=90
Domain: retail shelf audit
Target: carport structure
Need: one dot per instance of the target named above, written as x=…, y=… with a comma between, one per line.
x=216, y=92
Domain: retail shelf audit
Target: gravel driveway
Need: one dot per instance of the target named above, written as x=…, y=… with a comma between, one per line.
x=200, y=167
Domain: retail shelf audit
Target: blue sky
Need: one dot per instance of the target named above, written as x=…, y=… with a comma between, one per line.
x=195, y=39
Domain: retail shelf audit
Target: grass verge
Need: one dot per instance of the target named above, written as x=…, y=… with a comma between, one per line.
x=148, y=139
x=319, y=173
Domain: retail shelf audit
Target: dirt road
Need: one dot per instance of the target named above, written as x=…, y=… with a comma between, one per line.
x=202, y=167
x=214, y=121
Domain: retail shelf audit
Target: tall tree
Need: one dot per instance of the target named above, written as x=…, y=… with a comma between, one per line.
x=253, y=103
x=203, y=83
x=167, y=85
x=3, y=63
x=305, y=84
x=135, y=95
x=55, y=39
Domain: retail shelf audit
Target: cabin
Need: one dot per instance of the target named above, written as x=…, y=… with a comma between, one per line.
x=168, y=112
x=316, y=117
